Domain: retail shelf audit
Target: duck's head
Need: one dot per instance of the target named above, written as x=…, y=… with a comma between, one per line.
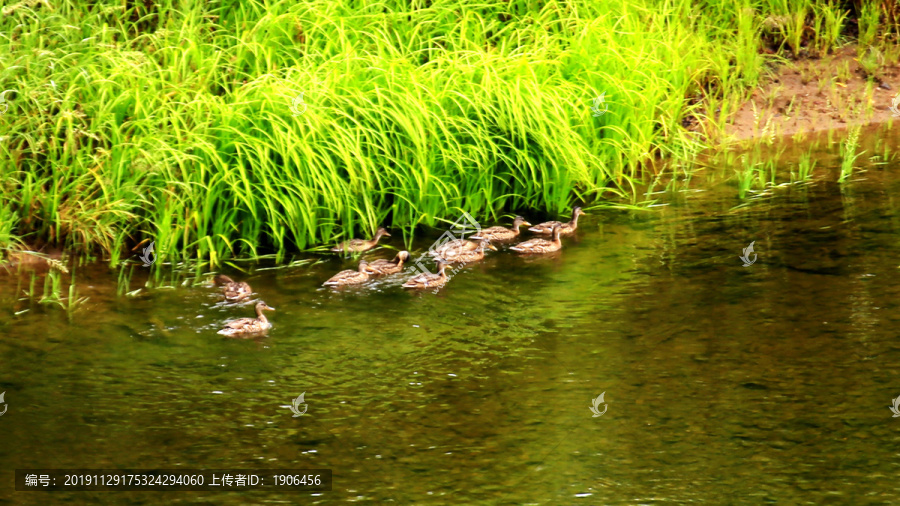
x=577, y=212
x=262, y=306
x=486, y=244
x=381, y=232
x=555, y=231
x=520, y=221
x=402, y=256
x=441, y=265
x=362, y=266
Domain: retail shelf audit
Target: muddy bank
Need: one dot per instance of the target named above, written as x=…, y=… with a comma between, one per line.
x=812, y=95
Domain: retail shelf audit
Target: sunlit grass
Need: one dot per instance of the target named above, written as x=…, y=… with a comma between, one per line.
x=172, y=121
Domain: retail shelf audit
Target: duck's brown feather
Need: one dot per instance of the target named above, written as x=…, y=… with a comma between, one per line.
x=533, y=246
x=502, y=233
x=467, y=255
x=498, y=234
x=547, y=228
x=349, y=276
x=248, y=326
x=452, y=247
x=427, y=279
x=233, y=291
x=384, y=267
x=536, y=246
x=360, y=245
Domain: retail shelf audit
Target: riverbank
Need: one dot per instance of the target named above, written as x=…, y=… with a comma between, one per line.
x=809, y=96
x=236, y=130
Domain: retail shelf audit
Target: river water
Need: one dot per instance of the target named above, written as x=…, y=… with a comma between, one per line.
x=722, y=384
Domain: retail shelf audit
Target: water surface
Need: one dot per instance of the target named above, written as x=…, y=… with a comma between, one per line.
x=724, y=384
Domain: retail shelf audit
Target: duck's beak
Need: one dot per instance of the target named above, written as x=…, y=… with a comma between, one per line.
x=526, y=224
x=492, y=247
x=386, y=233
x=270, y=308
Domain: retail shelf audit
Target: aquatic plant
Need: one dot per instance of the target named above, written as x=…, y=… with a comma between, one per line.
x=745, y=176
x=848, y=153
x=805, y=166
x=53, y=286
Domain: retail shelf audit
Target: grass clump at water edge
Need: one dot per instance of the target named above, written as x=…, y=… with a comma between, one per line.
x=179, y=121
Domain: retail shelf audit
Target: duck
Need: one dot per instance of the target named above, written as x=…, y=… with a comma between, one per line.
x=360, y=245
x=427, y=279
x=465, y=256
x=349, y=276
x=244, y=326
x=234, y=291
x=450, y=247
x=384, y=267
x=533, y=246
x=503, y=233
x=564, y=228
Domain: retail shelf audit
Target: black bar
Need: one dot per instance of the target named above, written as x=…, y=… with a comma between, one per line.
x=184, y=480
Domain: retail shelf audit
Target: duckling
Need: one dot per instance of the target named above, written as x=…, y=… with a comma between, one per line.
x=427, y=279
x=360, y=245
x=564, y=228
x=234, y=292
x=466, y=256
x=244, y=326
x=349, y=276
x=384, y=267
x=540, y=245
x=503, y=233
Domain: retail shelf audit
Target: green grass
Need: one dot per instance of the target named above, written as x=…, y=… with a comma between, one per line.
x=849, y=153
x=805, y=167
x=171, y=120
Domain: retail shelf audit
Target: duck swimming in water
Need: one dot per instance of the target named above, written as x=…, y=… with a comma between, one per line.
x=534, y=246
x=384, y=267
x=453, y=247
x=234, y=291
x=360, y=245
x=465, y=256
x=427, y=279
x=245, y=326
x=502, y=233
x=349, y=276
x=564, y=228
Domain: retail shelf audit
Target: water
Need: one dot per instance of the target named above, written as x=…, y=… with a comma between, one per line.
x=724, y=384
